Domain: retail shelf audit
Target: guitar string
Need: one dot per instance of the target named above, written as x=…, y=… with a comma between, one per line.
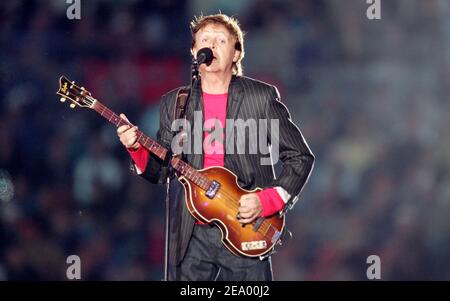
x=231, y=201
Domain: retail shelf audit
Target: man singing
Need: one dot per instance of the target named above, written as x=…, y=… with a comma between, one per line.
x=222, y=94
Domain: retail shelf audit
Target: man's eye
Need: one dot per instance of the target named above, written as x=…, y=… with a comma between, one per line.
x=223, y=41
x=204, y=40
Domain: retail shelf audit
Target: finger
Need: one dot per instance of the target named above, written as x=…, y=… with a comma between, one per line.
x=246, y=220
x=247, y=197
x=243, y=201
x=122, y=115
x=132, y=140
x=244, y=209
x=122, y=129
x=247, y=203
x=244, y=196
x=131, y=144
x=126, y=119
x=244, y=215
x=132, y=131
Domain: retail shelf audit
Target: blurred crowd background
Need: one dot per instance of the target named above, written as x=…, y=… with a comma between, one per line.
x=371, y=97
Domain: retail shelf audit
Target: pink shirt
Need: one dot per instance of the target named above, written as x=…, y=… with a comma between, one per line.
x=214, y=115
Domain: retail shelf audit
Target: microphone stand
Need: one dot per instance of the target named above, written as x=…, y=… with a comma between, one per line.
x=194, y=78
x=166, y=229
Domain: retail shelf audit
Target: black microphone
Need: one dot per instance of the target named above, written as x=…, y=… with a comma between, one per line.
x=205, y=56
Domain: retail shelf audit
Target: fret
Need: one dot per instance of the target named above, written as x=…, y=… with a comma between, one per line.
x=109, y=113
x=116, y=120
x=206, y=183
x=121, y=122
x=159, y=154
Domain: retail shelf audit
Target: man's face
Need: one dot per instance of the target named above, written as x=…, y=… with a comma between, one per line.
x=221, y=42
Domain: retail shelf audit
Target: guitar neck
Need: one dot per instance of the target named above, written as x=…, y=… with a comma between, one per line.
x=183, y=168
x=190, y=173
x=143, y=139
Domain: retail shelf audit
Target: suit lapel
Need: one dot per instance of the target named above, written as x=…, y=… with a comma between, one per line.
x=196, y=105
x=235, y=98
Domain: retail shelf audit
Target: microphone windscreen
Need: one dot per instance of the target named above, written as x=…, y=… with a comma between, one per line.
x=205, y=56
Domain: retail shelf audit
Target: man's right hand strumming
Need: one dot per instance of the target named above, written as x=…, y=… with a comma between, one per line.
x=128, y=134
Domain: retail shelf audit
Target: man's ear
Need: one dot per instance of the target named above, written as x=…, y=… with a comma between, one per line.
x=237, y=53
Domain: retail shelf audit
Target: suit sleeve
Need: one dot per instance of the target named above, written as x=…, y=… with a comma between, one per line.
x=155, y=171
x=294, y=153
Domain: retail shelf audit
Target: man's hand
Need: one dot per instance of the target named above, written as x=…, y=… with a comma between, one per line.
x=250, y=208
x=128, y=134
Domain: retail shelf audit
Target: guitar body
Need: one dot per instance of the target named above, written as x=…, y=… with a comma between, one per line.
x=222, y=210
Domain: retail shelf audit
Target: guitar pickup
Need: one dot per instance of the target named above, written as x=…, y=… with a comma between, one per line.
x=276, y=236
x=258, y=223
x=212, y=190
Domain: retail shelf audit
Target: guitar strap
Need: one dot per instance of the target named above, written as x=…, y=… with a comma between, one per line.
x=180, y=107
x=178, y=112
x=181, y=102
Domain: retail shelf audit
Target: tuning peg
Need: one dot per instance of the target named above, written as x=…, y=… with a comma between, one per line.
x=82, y=88
x=72, y=105
x=62, y=99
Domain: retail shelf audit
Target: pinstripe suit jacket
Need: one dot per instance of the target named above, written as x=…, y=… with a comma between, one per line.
x=247, y=99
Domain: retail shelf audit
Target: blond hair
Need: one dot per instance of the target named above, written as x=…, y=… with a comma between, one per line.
x=233, y=27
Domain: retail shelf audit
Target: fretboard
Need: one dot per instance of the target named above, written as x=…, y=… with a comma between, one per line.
x=190, y=173
x=180, y=166
x=143, y=139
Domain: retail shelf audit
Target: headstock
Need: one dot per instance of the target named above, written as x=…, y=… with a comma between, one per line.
x=79, y=96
